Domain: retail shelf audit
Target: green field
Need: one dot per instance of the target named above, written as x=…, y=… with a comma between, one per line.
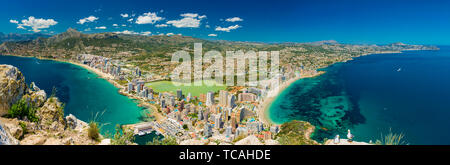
x=168, y=86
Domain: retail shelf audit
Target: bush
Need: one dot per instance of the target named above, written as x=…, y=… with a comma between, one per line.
x=94, y=131
x=23, y=125
x=21, y=110
x=122, y=136
x=391, y=139
x=294, y=133
x=165, y=141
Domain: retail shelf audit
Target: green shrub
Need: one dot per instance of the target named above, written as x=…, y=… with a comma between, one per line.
x=94, y=131
x=165, y=141
x=94, y=126
x=294, y=133
x=391, y=139
x=122, y=136
x=21, y=110
x=23, y=125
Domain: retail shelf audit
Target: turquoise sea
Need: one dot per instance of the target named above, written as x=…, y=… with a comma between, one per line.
x=83, y=92
x=406, y=93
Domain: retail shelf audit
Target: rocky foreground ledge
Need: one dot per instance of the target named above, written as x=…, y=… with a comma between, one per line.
x=50, y=127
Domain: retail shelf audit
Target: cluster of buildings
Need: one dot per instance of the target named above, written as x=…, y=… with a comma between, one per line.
x=138, y=88
x=223, y=114
x=213, y=114
x=101, y=63
x=206, y=116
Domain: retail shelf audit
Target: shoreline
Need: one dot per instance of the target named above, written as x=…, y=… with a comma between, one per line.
x=108, y=78
x=264, y=110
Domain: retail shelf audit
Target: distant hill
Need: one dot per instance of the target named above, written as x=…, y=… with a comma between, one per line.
x=153, y=53
x=21, y=37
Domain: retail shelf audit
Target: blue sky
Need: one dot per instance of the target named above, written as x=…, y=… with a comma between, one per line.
x=363, y=21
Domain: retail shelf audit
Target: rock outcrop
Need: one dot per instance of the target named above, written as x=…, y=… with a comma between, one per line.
x=6, y=138
x=75, y=124
x=51, y=115
x=35, y=96
x=51, y=128
x=12, y=87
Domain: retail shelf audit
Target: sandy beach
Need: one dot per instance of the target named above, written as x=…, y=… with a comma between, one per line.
x=263, y=112
x=106, y=76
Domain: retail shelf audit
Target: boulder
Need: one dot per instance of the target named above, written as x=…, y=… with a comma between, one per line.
x=6, y=138
x=53, y=141
x=105, y=142
x=14, y=129
x=33, y=140
x=51, y=112
x=12, y=87
x=35, y=98
x=73, y=123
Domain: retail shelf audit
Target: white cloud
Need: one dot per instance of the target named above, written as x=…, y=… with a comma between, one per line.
x=115, y=25
x=87, y=19
x=189, y=20
x=189, y=15
x=35, y=24
x=148, y=18
x=212, y=35
x=186, y=22
x=234, y=19
x=147, y=33
x=124, y=15
x=88, y=29
x=127, y=32
x=123, y=25
x=161, y=25
x=207, y=26
x=170, y=34
x=101, y=27
x=130, y=20
x=227, y=29
x=20, y=27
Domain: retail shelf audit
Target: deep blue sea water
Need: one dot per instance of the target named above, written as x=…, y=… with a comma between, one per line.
x=407, y=93
x=83, y=92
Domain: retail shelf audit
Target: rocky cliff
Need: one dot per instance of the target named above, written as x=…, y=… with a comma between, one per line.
x=12, y=87
x=51, y=127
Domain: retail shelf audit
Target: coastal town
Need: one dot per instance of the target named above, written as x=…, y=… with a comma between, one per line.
x=228, y=114
x=224, y=116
